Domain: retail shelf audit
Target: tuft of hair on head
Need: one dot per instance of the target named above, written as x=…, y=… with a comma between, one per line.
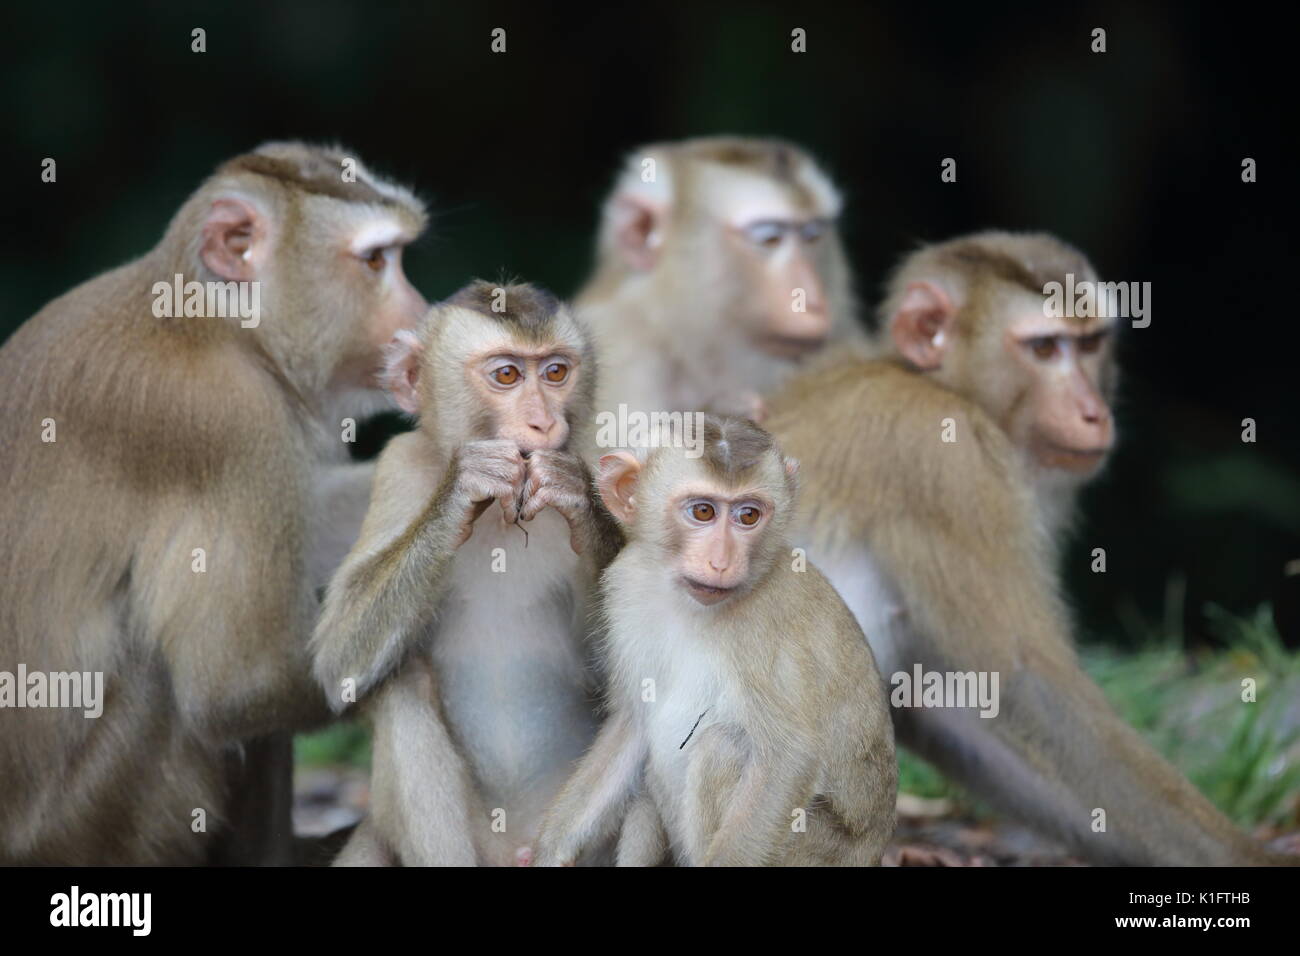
x=1027, y=261
x=735, y=451
x=318, y=170
x=734, y=447
x=521, y=304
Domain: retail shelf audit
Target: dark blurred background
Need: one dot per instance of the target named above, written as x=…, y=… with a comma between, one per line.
x=1134, y=155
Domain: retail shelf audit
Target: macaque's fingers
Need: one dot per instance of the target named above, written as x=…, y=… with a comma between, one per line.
x=468, y=528
x=490, y=469
x=555, y=480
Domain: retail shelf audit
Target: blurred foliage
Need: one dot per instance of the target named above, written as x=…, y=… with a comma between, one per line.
x=1244, y=756
x=343, y=742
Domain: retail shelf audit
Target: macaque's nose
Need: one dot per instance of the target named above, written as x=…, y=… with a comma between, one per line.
x=1095, y=413
x=543, y=423
x=720, y=552
x=537, y=412
x=1093, y=410
x=416, y=305
x=814, y=296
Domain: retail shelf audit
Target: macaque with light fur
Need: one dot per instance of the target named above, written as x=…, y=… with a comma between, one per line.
x=460, y=616
x=747, y=720
x=945, y=550
x=169, y=530
x=719, y=271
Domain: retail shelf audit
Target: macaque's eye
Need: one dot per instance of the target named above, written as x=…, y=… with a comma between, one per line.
x=1088, y=344
x=506, y=375
x=747, y=515
x=376, y=260
x=556, y=372
x=703, y=512
x=766, y=235
x=1044, y=347
x=810, y=232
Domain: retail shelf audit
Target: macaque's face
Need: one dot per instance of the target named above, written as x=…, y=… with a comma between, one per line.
x=781, y=254
x=368, y=272
x=526, y=392
x=715, y=533
x=1065, y=423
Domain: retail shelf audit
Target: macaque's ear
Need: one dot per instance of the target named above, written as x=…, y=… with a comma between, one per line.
x=791, y=467
x=638, y=230
x=402, y=370
x=235, y=242
x=920, y=326
x=616, y=483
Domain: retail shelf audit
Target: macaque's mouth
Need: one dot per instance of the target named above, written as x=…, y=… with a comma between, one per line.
x=706, y=593
x=527, y=448
x=1073, y=459
x=790, y=346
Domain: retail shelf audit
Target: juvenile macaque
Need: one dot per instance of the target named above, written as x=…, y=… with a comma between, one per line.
x=747, y=720
x=461, y=614
x=938, y=480
x=719, y=270
x=160, y=473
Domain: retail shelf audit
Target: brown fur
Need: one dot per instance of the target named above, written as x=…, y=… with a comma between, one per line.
x=962, y=532
x=391, y=613
x=792, y=716
x=685, y=334
x=173, y=434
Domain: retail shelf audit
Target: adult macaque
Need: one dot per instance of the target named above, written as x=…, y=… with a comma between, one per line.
x=719, y=269
x=159, y=479
x=938, y=479
x=486, y=605
x=748, y=723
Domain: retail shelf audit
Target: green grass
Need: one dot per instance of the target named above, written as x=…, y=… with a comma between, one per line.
x=1244, y=756
x=345, y=742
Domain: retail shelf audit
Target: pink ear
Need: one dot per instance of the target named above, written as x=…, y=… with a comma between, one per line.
x=616, y=483
x=401, y=375
x=791, y=467
x=234, y=239
x=637, y=230
x=921, y=324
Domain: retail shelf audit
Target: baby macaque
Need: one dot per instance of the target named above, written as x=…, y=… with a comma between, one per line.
x=747, y=720
x=460, y=616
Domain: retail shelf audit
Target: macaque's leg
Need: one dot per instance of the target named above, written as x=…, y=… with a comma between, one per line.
x=642, y=841
x=424, y=803
x=365, y=848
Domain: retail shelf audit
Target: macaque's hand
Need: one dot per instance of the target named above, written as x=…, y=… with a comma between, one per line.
x=559, y=480
x=487, y=471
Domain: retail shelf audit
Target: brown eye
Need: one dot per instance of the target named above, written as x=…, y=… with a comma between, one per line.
x=748, y=516
x=702, y=511
x=1043, y=348
x=506, y=375
x=376, y=260
x=556, y=373
x=1088, y=344
x=813, y=230
x=766, y=235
